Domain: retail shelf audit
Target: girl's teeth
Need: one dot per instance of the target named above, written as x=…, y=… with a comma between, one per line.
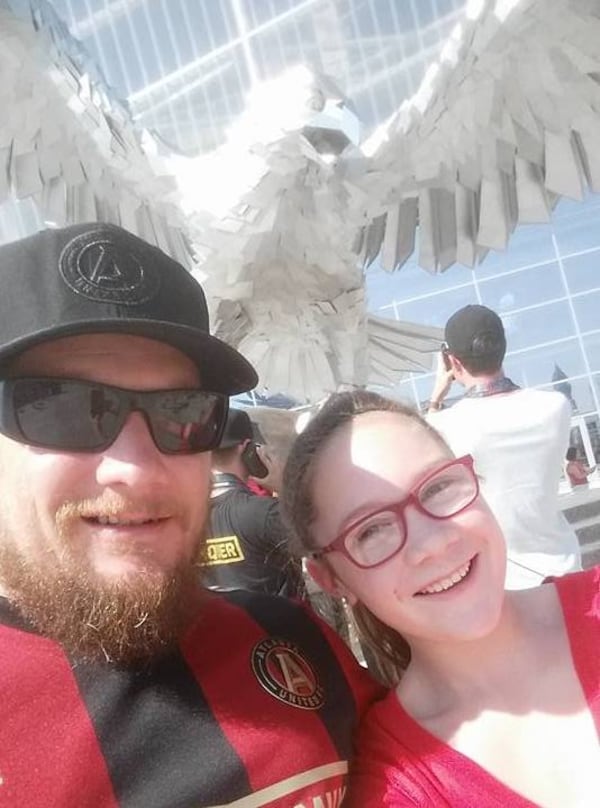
x=447, y=583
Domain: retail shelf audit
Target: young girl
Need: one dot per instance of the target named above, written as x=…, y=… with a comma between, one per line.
x=498, y=694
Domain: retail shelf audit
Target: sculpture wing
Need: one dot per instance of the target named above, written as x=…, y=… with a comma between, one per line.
x=507, y=121
x=69, y=150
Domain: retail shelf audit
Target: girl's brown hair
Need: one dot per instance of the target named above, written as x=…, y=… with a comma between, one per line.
x=391, y=650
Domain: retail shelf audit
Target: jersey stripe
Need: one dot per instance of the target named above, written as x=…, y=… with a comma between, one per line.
x=49, y=753
x=266, y=796
x=183, y=751
x=255, y=721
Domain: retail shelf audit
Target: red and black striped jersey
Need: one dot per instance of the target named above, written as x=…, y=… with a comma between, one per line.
x=257, y=708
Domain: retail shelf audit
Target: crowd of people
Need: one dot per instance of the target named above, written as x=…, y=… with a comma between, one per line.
x=157, y=652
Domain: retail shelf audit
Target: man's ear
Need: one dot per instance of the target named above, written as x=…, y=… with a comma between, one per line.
x=456, y=365
x=327, y=580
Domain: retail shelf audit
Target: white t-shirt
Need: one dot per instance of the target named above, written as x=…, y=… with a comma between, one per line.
x=519, y=441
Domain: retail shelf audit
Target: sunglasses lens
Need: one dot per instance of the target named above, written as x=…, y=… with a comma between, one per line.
x=185, y=421
x=76, y=415
x=66, y=414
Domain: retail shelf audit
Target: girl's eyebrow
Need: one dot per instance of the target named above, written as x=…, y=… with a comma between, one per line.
x=373, y=506
x=364, y=510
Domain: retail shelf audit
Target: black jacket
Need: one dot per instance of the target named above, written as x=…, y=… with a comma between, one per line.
x=247, y=546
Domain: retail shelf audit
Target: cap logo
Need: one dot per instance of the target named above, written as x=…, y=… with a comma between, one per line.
x=286, y=674
x=103, y=267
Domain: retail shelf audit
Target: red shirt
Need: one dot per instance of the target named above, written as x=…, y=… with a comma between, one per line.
x=401, y=764
x=257, y=707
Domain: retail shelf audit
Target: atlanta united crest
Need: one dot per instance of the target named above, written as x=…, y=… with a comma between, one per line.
x=286, y=674
x=100, y=265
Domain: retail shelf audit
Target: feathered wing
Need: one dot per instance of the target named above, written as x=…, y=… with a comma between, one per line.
x=398, y=347
x=67, y=144
x=507, y=121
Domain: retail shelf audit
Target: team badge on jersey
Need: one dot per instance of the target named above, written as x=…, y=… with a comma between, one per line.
x=286, y=674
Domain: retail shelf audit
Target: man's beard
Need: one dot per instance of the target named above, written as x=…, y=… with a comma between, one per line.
x=132, y=621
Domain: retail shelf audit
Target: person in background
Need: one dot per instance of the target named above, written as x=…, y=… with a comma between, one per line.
x=124, y=681
x=253, y=483
x=518, y=438
x=269, y=484
x=246, y=547
x=576, y=471
x=496, y=695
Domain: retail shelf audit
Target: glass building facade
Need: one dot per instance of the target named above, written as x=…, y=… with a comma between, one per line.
x=545, y=286
x=185, y=66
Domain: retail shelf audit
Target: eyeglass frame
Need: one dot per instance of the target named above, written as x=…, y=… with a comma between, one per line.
x=398, y=508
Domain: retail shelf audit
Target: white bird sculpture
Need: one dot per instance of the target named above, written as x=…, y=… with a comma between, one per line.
x=281, y=219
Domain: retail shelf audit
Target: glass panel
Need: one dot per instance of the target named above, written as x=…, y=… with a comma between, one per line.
x=592, y=423
x=524, y=288
x=548, y=363
x=587, y=311
x=445, y=6
x=424, y=12
x=364, y=20
x=571, y=207
x=135, y=76
x=436, y=309
x=529, y=244
x=578, y=229
x=180, y=23
x=527, y=328
x=591, y=345
x=264, y=11
x=405, y=16
x=409, y=281
x=140, y=29
x=583, y=271
x=162, y=34
x=582, y=396
x=110, y=62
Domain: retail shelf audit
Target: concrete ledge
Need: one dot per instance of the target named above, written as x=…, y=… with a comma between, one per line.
x=586, y=511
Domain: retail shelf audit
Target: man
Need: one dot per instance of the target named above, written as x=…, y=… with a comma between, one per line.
x=123, y=683
x=518, y=439
x=247, y=546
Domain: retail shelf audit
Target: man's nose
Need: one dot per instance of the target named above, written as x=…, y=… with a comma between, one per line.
x=133, y=458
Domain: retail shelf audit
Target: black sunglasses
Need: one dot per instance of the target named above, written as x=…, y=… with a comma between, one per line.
x=81, y=416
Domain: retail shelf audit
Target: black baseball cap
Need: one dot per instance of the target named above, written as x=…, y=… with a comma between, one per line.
x=473, y=330
x=239, y=428
x=99, y=278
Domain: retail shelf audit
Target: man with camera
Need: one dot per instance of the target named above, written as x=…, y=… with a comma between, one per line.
x=247, y=547
x=518, y=438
